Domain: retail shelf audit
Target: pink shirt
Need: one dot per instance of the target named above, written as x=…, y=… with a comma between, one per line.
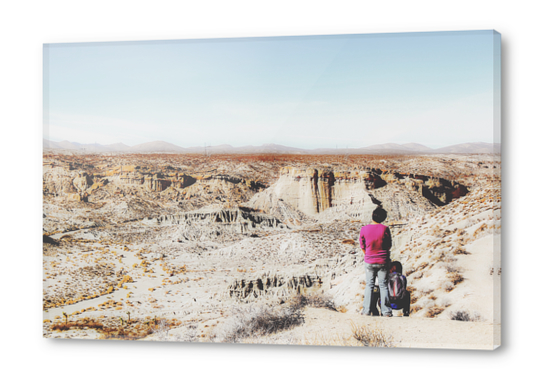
x=375, y=239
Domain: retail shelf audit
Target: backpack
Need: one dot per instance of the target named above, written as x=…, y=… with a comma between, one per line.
x=397, y=284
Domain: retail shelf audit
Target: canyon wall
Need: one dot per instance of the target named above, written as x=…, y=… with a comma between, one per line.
x=325, y=194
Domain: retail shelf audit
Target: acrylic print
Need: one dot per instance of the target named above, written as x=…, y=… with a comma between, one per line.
x=336, y=190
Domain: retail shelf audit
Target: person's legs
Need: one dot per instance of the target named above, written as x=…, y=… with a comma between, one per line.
x=384, y=294
x=406, y=304
x=374, y=301
x=370, y=276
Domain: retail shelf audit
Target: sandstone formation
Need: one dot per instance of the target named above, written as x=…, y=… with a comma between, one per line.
x=216, y=223
x=274, y=286
x=355, y=193
x=82, y=181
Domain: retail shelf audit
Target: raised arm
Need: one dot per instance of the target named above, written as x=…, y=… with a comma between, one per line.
x=386, y=244
x=362, y=241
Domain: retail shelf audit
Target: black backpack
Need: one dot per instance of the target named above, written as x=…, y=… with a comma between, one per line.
x=397, y=284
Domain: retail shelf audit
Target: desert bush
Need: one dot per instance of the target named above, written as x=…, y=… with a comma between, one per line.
x=456, y=278
x=112, y=328
x=465, y=316
x=434, y=311
x=373, y=337
x=259, y=321
x=459, y=251
x=314, y=300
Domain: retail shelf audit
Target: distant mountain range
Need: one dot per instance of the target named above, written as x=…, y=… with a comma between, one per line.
x=387, y=148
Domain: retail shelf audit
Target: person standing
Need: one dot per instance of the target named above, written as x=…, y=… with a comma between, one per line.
x=375, y=242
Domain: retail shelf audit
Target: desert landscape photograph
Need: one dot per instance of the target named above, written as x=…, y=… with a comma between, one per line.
x=214, y=190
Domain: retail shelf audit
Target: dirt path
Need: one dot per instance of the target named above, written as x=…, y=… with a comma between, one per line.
x=326, y=327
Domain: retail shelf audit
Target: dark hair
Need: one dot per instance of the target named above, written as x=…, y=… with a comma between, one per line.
x=397, y=267
x=379, y=214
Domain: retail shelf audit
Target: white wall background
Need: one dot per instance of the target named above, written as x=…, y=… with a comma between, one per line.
x=26, y=25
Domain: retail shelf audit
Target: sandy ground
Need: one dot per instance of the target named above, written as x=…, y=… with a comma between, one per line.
x=326, y=327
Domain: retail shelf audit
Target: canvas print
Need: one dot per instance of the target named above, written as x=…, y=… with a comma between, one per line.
x=334, y=190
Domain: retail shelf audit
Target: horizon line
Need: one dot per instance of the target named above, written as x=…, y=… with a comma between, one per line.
x=272, y=144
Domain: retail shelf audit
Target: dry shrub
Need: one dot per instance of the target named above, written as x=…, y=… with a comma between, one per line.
x=465, y=316
x=314, y=300
x=456, y=278
x=256, y=321
x=122, y=329
x=434, y=311
x=373, y=337
x=460, y=252
x=259, y=321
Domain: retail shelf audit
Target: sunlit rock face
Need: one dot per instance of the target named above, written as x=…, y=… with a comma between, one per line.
x=320, y=194
x=324, y=194
x=313, y=191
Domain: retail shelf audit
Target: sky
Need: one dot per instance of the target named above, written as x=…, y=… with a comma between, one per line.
x=437, y=89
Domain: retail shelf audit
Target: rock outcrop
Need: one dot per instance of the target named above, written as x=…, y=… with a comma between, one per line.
x=273, y=286
x=312, y=191
x=82, y=181
x=217, y=223
x=58, y=181
x=325, y=194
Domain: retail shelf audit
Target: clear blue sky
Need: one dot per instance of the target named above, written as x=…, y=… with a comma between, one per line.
x=435, y=89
